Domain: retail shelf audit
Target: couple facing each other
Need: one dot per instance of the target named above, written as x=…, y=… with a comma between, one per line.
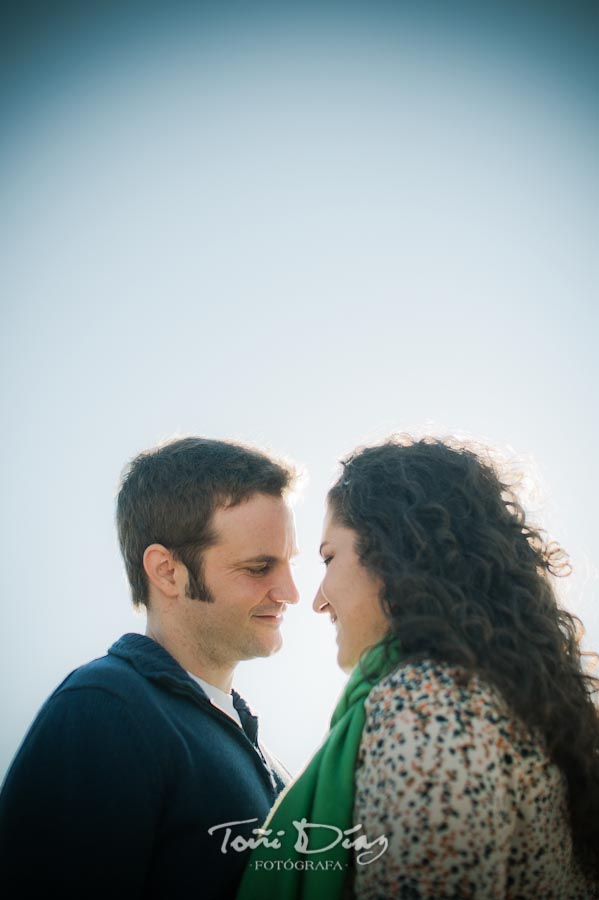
x=463, y=755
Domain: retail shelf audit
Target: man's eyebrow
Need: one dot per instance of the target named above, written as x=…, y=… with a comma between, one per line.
x=261, y=558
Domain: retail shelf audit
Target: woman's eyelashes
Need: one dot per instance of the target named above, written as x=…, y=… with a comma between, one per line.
x=326, y=560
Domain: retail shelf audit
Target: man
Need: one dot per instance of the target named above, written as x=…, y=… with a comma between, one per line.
x=138, y=757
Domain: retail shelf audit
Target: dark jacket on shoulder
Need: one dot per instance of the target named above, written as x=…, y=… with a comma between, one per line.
x=119, y=779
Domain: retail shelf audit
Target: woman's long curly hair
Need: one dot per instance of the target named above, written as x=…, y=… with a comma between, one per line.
x=467, y=581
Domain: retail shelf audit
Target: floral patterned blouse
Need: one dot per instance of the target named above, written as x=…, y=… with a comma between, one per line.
x=469, y=802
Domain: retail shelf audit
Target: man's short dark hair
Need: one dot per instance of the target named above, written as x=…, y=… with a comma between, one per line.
x=168, y=495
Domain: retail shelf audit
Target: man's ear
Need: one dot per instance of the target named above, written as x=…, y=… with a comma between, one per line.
x=165, y=573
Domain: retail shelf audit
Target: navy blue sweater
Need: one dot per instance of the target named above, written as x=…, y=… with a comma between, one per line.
x=126, y=767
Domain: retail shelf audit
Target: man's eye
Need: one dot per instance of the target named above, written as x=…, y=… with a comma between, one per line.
x=258, y=570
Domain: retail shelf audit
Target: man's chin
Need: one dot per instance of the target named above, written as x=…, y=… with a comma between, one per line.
x=273, y=647
x=269, y=638
x=263, y=649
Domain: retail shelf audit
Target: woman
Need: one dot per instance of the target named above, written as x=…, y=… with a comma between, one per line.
x=463, y=757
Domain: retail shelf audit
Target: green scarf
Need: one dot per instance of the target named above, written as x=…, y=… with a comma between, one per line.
x=322, y=795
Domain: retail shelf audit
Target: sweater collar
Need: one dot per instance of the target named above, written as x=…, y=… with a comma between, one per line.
x=149, y=658
x=152, y=661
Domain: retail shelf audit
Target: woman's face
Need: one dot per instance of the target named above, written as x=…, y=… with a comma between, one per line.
x=349, y=593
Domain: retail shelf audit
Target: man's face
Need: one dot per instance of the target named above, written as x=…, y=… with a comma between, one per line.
x=248, y=576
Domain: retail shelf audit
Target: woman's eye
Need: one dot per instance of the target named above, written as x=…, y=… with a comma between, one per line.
x=326, y=560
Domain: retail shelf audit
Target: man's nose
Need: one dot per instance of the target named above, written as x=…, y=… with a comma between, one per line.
x=285, y=591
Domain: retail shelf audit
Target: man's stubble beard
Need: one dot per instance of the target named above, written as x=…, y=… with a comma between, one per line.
x=249, y=646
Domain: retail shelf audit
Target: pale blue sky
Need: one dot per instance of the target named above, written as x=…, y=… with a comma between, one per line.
x=302, y=231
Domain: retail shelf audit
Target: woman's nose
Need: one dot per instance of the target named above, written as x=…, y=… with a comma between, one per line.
x=319, y=601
